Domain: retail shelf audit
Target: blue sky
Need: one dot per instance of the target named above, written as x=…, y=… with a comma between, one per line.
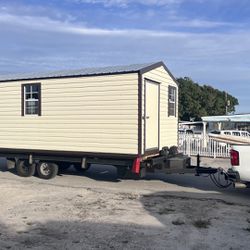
x=207, y=40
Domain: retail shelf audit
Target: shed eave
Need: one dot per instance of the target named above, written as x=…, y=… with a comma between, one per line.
x=157, y=65
x=68, y=76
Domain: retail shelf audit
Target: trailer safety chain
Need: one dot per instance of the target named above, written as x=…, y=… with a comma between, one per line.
x=217, y=179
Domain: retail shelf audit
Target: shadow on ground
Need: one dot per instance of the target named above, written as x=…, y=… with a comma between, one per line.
x=96, y=172
x=184, y=223
x=78, y=235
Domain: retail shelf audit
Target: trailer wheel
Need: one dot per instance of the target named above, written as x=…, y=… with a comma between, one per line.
x=47, y=170
x=24, y=169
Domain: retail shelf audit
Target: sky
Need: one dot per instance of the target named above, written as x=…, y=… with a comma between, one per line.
x=206, y=40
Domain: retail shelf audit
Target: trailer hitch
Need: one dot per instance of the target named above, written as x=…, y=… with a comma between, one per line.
x=211, y=172
x=203, y=170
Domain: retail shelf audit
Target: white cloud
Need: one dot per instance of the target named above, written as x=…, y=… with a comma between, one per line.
x=47, y=24
x=190, y=48
x=44, y=23
x=124, y=3
x=198, y=23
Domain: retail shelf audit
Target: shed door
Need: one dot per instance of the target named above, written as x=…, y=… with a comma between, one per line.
x=151, y=115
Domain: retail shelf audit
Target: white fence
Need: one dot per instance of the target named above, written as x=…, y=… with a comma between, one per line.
x=205, y=146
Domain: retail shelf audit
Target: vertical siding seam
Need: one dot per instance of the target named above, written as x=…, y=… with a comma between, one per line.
x=159, y=116
x=144, y=120
x=139, y=113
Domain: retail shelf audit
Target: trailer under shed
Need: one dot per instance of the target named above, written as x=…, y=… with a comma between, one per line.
x=121, y=111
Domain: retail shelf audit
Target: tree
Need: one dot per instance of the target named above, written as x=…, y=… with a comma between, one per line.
x=197, y=100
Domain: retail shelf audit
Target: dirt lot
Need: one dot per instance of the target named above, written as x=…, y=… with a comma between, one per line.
x=96, y=211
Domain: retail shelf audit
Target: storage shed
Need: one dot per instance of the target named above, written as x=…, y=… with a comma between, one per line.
x=120, y=111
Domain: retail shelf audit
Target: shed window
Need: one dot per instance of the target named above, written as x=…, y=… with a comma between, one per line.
x=171, y=101
x=31, y=99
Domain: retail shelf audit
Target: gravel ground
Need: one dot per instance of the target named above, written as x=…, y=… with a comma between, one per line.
x=97, y=211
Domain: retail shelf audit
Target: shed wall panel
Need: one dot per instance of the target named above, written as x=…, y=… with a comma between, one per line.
x=85, y=114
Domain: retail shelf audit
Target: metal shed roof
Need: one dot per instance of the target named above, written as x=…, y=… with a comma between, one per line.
x=86, y=72
x=227, y=118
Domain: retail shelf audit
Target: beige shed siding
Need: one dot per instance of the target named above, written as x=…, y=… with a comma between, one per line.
x=86, y=114
x=168, y=125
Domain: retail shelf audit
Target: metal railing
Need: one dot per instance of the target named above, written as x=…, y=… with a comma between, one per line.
x=192, y=144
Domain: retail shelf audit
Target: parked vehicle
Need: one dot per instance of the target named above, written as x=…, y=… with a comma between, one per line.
x=239, y=172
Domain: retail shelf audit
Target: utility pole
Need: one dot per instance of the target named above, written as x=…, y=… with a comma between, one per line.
x=226, y=102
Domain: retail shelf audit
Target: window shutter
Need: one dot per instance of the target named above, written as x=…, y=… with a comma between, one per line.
x=175, y=95
x=172, y=101
x=40, y=100
x=168, y=100
x=22, y=100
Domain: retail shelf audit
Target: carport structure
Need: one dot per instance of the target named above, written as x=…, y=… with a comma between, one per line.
x=237, y=121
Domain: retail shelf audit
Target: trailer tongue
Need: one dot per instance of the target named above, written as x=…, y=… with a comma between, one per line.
x=169, y=161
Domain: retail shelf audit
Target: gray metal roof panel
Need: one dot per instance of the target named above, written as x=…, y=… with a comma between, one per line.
x=227, y=118
x=80, y=72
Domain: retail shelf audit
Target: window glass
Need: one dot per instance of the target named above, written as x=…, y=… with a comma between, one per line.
x=27, y=88
x=31, y=99
x=34, y=88
x=171, y=101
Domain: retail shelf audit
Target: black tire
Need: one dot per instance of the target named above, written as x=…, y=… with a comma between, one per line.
x=24, y=169
x=79, y=168
x=47, y=170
